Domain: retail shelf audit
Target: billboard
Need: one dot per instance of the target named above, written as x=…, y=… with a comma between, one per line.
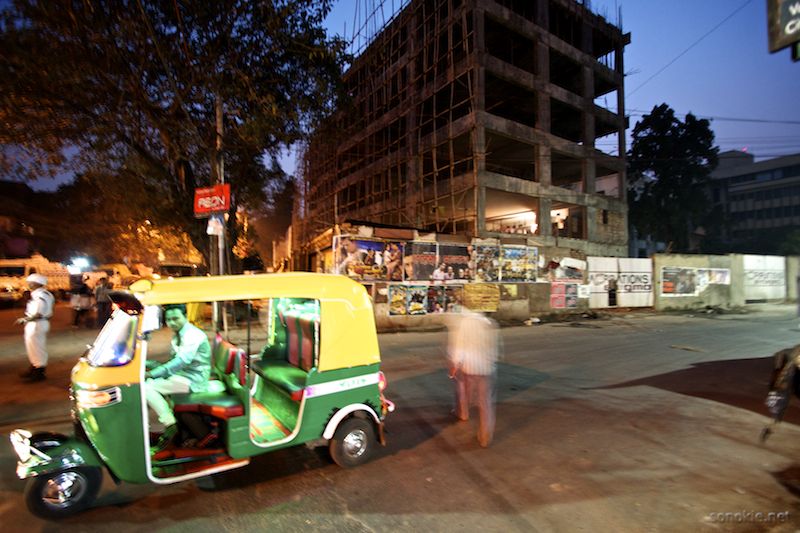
x=209, y=200
x=783, y=23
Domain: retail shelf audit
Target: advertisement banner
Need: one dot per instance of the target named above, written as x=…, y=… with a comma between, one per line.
x=678, y=281
x=445, y=298
x=397, y=300
x=764, y=277
x=635, y=282
x=420, y=260
x=484, y=297
x=368, y=260
x=417, y=299
x=215, y=199
x=487, y=261
x=456, y=259
x=518, y=263
x=558, y=296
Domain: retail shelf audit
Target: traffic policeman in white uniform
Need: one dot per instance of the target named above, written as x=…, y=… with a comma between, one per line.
x=37, y=323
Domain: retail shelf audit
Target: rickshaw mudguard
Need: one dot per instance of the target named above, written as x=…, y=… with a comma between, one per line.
x=69, y=453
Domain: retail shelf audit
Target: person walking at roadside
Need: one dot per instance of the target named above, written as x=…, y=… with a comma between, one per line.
x=81, y=302
x=473, y=350
x=38, y=311
x=102, y=301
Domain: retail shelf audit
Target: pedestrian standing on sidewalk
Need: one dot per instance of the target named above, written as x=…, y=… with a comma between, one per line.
x=37, y=323
x=473, y=350
x=81, y=301
x=102, y=301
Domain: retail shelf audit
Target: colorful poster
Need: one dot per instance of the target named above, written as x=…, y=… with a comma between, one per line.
x=678, y=281
x=368, y=260
x=487, y=262
x=456, y=261
x=417, y=297
x=445, y=298
x=518, y=263
x=420, y=260
x=484, y=297
x=397, y=299
x=571, y=295
x=558, y=296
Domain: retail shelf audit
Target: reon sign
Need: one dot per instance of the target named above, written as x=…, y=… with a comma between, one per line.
x=208, y=200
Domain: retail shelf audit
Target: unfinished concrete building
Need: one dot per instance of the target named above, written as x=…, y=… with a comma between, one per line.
x=480, y=118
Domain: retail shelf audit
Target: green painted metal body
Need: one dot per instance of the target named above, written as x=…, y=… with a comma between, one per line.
x=117, y=433
x=317, y=412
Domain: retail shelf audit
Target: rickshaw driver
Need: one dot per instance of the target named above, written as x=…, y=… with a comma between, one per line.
x=188, y=371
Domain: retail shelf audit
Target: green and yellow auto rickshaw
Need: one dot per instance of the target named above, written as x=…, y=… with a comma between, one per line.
x=299, y=364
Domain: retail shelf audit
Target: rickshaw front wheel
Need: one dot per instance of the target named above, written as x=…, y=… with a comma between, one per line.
x=64, y=493
x=353, y=442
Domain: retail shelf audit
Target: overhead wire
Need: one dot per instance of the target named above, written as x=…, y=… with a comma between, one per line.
x=695, y=43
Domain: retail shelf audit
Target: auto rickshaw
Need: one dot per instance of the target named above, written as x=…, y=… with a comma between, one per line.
x=304, y=370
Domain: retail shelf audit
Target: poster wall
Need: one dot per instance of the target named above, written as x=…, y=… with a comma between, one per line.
x=457, y=261
x=633, y=276
x=408, y=300
x=420, y=260
x=484, y=297
x=563, y=295
x=678, y=281
x=368, y=260
x=487, y=261
x=518, y=263
x=445, y=298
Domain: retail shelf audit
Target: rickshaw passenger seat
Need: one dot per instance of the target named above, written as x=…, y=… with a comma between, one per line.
x=230, y=368
x=290, y=374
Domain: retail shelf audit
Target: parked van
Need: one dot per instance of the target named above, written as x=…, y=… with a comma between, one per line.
x=13, y=272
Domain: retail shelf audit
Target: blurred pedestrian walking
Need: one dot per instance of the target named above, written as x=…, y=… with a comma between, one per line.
x=473, y=350
x=81, y=303
x=38, y=311
x=102, y=301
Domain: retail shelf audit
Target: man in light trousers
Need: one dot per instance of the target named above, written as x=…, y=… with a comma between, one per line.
x=473, y=347
x=188, y=370
x=38, y=311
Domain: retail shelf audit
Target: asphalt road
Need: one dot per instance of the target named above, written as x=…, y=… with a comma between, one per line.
x=635, y=423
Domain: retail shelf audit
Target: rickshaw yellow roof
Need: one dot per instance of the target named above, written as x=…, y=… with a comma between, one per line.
x=250, y=287
x=347, y=322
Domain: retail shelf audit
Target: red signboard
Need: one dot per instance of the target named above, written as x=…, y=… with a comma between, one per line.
x=208, y=200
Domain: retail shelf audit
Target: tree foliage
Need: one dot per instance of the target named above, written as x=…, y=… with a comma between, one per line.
x=128, y=90
x=669, y=167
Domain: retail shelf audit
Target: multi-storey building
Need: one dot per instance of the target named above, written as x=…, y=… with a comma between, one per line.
x=481, y=118
x=760, y=201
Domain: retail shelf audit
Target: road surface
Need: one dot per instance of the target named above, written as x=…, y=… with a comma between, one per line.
x=639, y=422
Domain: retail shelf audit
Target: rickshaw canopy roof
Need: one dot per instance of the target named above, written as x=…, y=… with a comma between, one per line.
x=347, y=323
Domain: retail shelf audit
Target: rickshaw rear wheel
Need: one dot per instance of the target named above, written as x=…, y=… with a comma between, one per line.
x=63, y=493
x=353, y=442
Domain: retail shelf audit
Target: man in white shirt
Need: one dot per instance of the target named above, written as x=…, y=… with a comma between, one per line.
x=188, y=371
x=38, y=311
x=473, y=350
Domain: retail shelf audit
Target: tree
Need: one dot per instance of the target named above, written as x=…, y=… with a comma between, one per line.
x=669, y=167
x=135, y=90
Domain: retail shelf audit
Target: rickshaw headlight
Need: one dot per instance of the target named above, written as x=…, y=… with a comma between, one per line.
x=381, y=382
x=21, y=441
x=98, y=398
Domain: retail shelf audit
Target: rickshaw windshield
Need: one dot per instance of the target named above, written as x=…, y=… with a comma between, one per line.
x=115, y=344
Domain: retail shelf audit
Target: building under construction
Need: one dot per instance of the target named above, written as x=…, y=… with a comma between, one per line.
x=478, y=118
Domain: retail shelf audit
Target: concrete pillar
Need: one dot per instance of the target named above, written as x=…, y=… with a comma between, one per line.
x=544, y=165
x=623, y=181
x=545, y=226
x=481, y=218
